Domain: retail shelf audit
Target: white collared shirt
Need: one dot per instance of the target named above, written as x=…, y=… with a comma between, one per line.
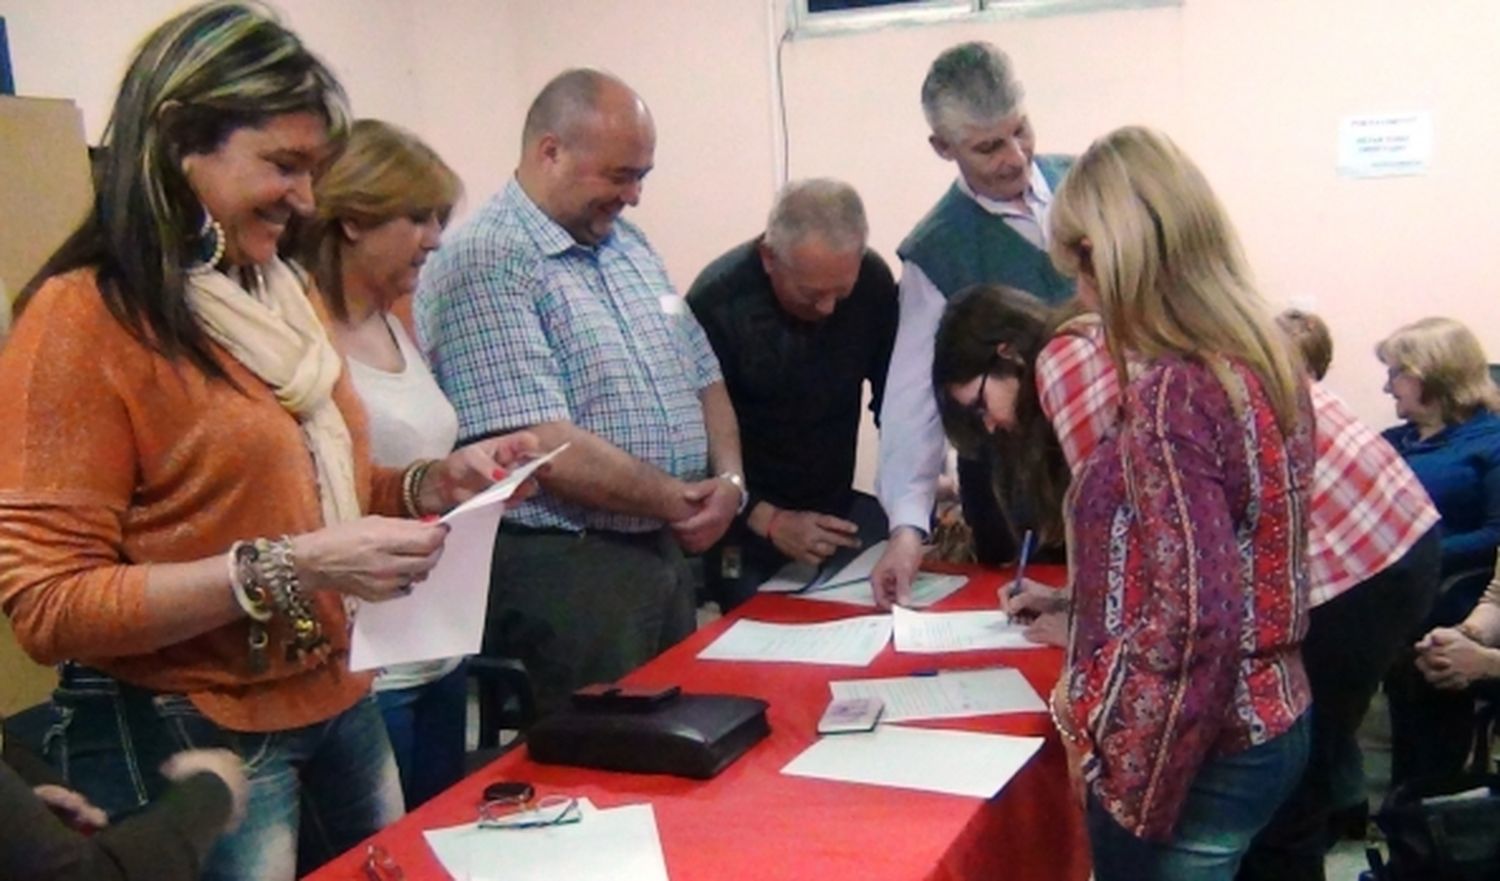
x=912, y=444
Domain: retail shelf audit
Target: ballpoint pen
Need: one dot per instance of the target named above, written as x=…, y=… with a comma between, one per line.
x=1015, y=586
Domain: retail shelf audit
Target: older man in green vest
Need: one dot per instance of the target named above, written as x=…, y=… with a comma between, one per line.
x=990, y=227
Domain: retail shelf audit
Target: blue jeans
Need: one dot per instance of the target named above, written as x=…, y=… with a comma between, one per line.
x=426, y=726
x=1230, y=800
x=315, y=791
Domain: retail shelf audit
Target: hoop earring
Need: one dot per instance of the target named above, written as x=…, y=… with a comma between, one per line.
x=211, y=241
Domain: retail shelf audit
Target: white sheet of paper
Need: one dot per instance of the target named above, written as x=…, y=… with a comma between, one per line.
x=444, y=616
x=948, y=695
x=927, y=589
x=851, y=642
x=930, y=632
x=956, y=762
x=789, y=578
x=605, y=845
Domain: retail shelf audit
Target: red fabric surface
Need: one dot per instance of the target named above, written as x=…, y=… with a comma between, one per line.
x=751, y=822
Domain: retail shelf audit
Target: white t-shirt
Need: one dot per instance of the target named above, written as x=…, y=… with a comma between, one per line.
x=410, y=419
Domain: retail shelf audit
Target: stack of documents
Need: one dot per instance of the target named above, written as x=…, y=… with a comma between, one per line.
x=853, y=642
x=929, y=632
x=444, y=616
x=946, y=695
x=956, y=762
x=605, y=845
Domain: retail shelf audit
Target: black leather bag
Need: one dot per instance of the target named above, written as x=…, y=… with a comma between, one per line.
x=691, y=735
x=1434, y=836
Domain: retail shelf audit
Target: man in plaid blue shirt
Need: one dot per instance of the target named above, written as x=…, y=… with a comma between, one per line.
x=549, y=312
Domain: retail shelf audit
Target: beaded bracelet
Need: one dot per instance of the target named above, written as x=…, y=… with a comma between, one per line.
x=411, y=485
x=277, y=571
x=1065, y=731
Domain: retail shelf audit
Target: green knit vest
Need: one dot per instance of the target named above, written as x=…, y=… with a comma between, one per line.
x=959, y=244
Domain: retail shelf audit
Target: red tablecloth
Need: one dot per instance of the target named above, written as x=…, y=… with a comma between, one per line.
x=751, y=822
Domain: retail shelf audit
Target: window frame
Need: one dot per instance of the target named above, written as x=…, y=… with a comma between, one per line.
x=808, y=24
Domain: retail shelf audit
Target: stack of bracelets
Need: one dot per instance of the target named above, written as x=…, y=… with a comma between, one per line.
x=264, y=578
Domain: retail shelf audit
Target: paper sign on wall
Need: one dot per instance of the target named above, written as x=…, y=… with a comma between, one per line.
x=1385, y=145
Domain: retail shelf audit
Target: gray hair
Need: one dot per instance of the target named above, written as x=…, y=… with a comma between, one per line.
x=972, y=79
x=820, y=206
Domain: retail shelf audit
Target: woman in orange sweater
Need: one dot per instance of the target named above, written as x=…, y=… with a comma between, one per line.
x=185, y=481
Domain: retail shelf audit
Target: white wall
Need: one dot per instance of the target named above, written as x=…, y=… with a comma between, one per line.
x=1254, y=90
x=78, y=49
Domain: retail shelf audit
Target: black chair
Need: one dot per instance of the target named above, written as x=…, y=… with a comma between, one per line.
x=506, y=702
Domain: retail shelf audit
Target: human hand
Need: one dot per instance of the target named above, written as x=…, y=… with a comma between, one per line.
x=714, y=503
x=373, y=558
x=1033, y=599
x=1050, y=628
x=223, y=764
x=1450, y=660
x=891, y=578
x=811, y=537
x=72, y=808
x=470, y=470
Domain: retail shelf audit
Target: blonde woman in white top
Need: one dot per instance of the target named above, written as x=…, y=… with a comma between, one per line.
x=381, y=207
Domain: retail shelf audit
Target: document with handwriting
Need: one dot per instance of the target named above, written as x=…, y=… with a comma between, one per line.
x=853, y=642
x=946, y=695
x=931, y=632
x=927, y=589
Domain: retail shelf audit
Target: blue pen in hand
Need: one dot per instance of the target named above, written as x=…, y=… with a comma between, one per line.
x=1016, y=586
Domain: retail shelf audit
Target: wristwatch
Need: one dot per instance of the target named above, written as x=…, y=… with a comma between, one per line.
x=735, y=478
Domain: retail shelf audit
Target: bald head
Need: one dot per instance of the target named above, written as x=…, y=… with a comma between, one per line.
x=587, y=144
x=572, y=98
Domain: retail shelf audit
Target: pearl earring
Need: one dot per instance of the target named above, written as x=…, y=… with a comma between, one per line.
x=212, y=241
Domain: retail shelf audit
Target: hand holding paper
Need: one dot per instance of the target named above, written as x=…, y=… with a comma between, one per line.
x=444, y=618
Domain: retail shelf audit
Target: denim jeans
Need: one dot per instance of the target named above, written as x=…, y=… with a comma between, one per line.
x=426, y=726
x=1230, y=800
x=315, y=791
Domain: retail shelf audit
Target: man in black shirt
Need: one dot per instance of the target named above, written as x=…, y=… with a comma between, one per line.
x=800, y=318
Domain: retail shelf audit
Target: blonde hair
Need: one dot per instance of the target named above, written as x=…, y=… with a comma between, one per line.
x=1138, y=216
x=382, y=172
x=1310, y=335
x=1448, y=360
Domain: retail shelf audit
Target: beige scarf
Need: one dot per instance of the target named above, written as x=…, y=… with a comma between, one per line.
x=280, y=339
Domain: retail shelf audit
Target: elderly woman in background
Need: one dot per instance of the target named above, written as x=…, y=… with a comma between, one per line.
x=1183, y=701
x=1437, y=374
x=381, y=207
x=185, y=484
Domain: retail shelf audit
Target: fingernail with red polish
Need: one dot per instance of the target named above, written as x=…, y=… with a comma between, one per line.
x=430, y=518
x=499, y=474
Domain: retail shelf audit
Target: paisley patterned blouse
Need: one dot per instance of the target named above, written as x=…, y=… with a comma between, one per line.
x=1188, y=548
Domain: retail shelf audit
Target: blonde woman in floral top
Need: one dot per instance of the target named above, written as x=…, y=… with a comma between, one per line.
x=1182, y=704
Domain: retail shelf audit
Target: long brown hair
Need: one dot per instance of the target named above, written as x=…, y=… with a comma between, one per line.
x=1000, y=331
x=203, y=74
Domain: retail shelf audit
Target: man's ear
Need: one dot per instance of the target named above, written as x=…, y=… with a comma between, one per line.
x=767, y=256
x=940, y=146
x=352, y=231
x=549, y=148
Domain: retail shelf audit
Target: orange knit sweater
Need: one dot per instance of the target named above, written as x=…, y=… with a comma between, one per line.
x=113, y=458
